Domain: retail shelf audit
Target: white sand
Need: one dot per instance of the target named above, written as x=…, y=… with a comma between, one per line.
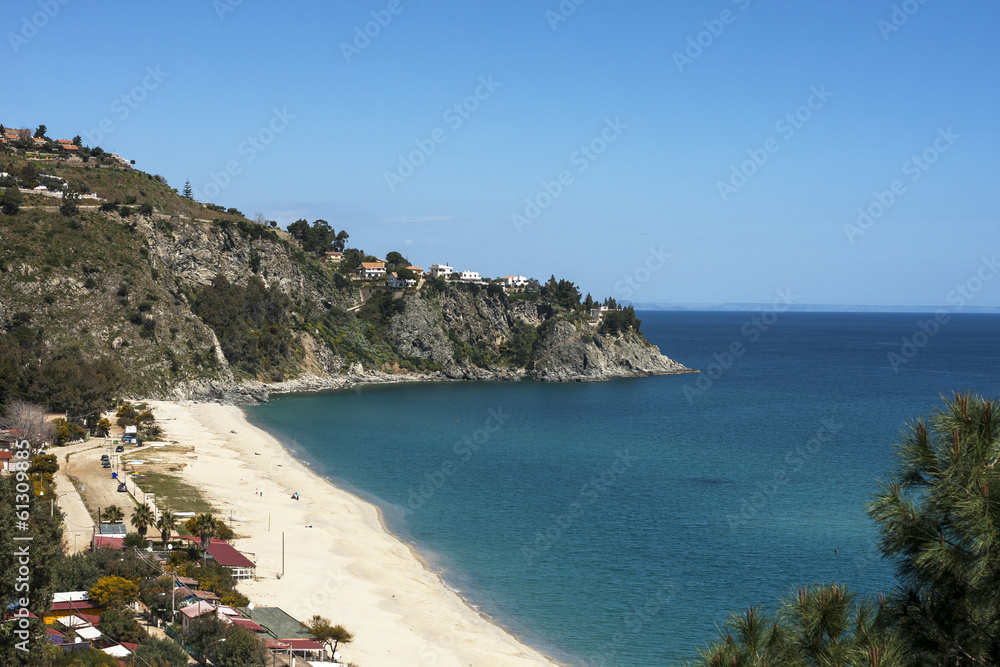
x=347, y=567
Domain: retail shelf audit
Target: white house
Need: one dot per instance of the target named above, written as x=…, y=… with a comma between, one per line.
x=441, y=270
x=334, y=257
x=597, y=313
x=397, y=282
x=372, y=270
x=470, y=277
x=515, y=281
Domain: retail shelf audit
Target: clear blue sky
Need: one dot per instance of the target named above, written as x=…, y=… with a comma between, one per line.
x=678, y=130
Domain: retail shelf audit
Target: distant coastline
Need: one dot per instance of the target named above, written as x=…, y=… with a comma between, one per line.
x=813, y=308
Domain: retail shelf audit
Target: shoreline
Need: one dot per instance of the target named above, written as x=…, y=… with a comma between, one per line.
x=342, y=561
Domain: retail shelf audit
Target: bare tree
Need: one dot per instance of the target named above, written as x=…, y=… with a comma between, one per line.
x=28, y=420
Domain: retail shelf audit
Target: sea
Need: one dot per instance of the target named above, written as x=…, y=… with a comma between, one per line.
x=622, y=522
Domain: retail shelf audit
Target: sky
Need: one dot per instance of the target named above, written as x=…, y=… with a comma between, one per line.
x=726, y=151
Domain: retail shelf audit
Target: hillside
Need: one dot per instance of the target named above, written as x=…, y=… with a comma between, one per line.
x=136, y=289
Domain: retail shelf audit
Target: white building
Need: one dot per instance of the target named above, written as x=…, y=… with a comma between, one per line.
x=441, y=271
x=515, y=281
x=397, y=282
x=372, y=270
x=470, y=277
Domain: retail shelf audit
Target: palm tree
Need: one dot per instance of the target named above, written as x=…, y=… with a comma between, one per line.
x=938, y=516
x=113, y=514
x=203, y=526
x=165, y=524
x=142, y=518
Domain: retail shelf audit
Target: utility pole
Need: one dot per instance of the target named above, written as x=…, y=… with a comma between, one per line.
x=282, y=553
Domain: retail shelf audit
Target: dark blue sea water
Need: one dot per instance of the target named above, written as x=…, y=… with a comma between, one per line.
x=618, y=523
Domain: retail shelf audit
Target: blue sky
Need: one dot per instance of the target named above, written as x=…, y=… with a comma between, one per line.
x=697, y=187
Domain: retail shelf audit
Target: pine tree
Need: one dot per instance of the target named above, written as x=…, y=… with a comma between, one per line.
x=188, y=192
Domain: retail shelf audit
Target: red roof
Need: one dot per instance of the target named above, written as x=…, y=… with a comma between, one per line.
x=248, y=624
x=105, y=542
x=79, y=605
x=5, y=455
x=225, y=553
x=71, y=147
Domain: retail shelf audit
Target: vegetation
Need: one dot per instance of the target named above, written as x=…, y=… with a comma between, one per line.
x=937, y=516
x=114, y=591
x=331, y=635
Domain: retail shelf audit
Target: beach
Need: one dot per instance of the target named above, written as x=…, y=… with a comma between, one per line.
x=338, y=559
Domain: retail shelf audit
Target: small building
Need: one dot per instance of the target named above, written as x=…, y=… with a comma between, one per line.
x=470, y=277
x=227, y=556
x=70, y=147
x=441, y=271
x=515, y=281
x=597, y=313
x=71, y=603
x=396, y=282
x=193, y=611
x=5, y=459
x=372, y=270
x=415, y=270
x=334, y=257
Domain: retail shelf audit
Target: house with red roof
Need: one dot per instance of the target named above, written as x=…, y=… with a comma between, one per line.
x=5, y=459
x=372, y=270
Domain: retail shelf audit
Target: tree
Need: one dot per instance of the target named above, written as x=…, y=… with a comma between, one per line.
x=241, y=649
x=396, y=259
x=70, y=203
x=203, y=526
x=114, y=591
x=113, y=514
x=187, y=193
x=204, y=635
x=165, y=524
x=77, y=141
x=12, y=199
x=119, y=623
x=161, y=653
x=331, y=635
x=142, y=518
x=146, y=209
x=30, y=420
x=818, y=626
x=40, y=132
x=938, y=516
x=103, y=426
x=340, y=241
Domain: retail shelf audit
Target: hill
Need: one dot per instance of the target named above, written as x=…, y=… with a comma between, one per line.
x=112, y=283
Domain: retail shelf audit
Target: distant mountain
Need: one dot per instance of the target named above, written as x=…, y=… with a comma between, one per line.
x=809, y=308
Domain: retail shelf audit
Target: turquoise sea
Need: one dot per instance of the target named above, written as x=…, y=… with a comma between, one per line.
x=618, y=523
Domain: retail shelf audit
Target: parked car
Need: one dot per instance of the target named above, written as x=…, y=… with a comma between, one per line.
x=105, y=464
x=122, y=488
x=120, y=448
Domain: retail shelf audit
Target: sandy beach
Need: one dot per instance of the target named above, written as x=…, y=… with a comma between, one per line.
x=339, y=561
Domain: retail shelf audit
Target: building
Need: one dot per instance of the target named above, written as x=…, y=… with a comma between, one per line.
x=193, y=611
x=334, y=257
x=470, y=277
x=71, y=603
x=372, y=270
x=227, y=556
x=441, y=271
x=416, y=270
x=5, y=459
x=597, y=313
x=396, y=282
x=515, y=281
